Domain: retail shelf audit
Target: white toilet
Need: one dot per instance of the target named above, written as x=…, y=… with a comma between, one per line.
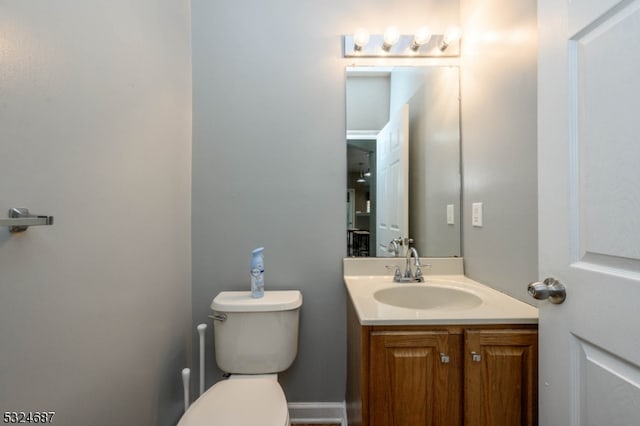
x=254, y=340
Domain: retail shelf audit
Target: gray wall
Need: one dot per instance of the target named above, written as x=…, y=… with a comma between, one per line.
x=269, y=160
x=95, y=119
x=367, y=102
x=498, y=90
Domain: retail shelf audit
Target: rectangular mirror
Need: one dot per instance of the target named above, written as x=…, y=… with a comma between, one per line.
x=403, y=159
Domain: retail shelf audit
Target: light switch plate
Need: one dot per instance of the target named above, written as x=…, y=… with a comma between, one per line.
x=450, y=216
x=476, y=214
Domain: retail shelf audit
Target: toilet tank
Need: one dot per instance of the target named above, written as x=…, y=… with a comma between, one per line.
x=256, y=336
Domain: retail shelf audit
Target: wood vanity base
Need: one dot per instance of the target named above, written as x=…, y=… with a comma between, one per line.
x=441, y=375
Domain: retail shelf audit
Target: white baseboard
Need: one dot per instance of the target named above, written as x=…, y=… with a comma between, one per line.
x=318, y=412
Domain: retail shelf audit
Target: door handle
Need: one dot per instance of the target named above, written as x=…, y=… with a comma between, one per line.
x=550, y=288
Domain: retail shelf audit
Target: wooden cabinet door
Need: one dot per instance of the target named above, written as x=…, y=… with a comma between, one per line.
x=501, y=373
x=414, y=379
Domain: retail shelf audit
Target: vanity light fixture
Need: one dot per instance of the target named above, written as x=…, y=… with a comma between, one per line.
x=451, y=36
x=394, y=44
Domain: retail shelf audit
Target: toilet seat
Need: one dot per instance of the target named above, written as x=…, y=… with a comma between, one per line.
x=240, y=401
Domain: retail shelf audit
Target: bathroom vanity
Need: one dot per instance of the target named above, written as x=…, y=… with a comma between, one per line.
x=452, y=352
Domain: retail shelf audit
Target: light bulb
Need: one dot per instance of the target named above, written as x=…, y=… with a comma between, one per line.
x=422, y=36
x=391, y=37
x=360, y=38
x=452, y=34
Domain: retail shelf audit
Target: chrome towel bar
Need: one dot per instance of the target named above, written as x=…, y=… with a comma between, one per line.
x=20, y=219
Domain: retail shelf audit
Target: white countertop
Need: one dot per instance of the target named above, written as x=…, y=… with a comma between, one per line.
x=496, y=307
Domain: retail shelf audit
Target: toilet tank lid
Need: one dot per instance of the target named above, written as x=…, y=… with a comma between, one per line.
x=241, y=301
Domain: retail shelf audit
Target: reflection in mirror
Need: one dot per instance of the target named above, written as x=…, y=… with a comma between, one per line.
x=403, y=149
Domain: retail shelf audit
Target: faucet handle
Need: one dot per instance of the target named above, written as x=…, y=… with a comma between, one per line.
x=397, y=274
x=418, y=274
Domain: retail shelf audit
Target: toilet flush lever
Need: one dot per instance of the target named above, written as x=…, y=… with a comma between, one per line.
x=218, y=317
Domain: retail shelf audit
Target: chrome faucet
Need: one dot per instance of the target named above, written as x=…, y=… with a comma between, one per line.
x=417, y=275
x=409, y=276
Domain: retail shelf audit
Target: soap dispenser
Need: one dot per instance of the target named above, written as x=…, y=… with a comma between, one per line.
x=257, y=273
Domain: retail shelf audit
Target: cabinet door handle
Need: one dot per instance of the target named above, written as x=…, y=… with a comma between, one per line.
x=476, y=357
x=444, y=358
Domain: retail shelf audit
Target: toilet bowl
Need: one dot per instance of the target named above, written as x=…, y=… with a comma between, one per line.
x=254, y=340
x=240, y=401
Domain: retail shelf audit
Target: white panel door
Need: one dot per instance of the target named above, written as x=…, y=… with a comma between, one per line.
x=589, y=211
x=392, y=174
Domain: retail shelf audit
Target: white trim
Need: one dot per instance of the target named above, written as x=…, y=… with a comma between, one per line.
x=362, y=134
x=318, y=412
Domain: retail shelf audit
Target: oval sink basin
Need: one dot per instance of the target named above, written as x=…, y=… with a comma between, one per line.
x=427, y=296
